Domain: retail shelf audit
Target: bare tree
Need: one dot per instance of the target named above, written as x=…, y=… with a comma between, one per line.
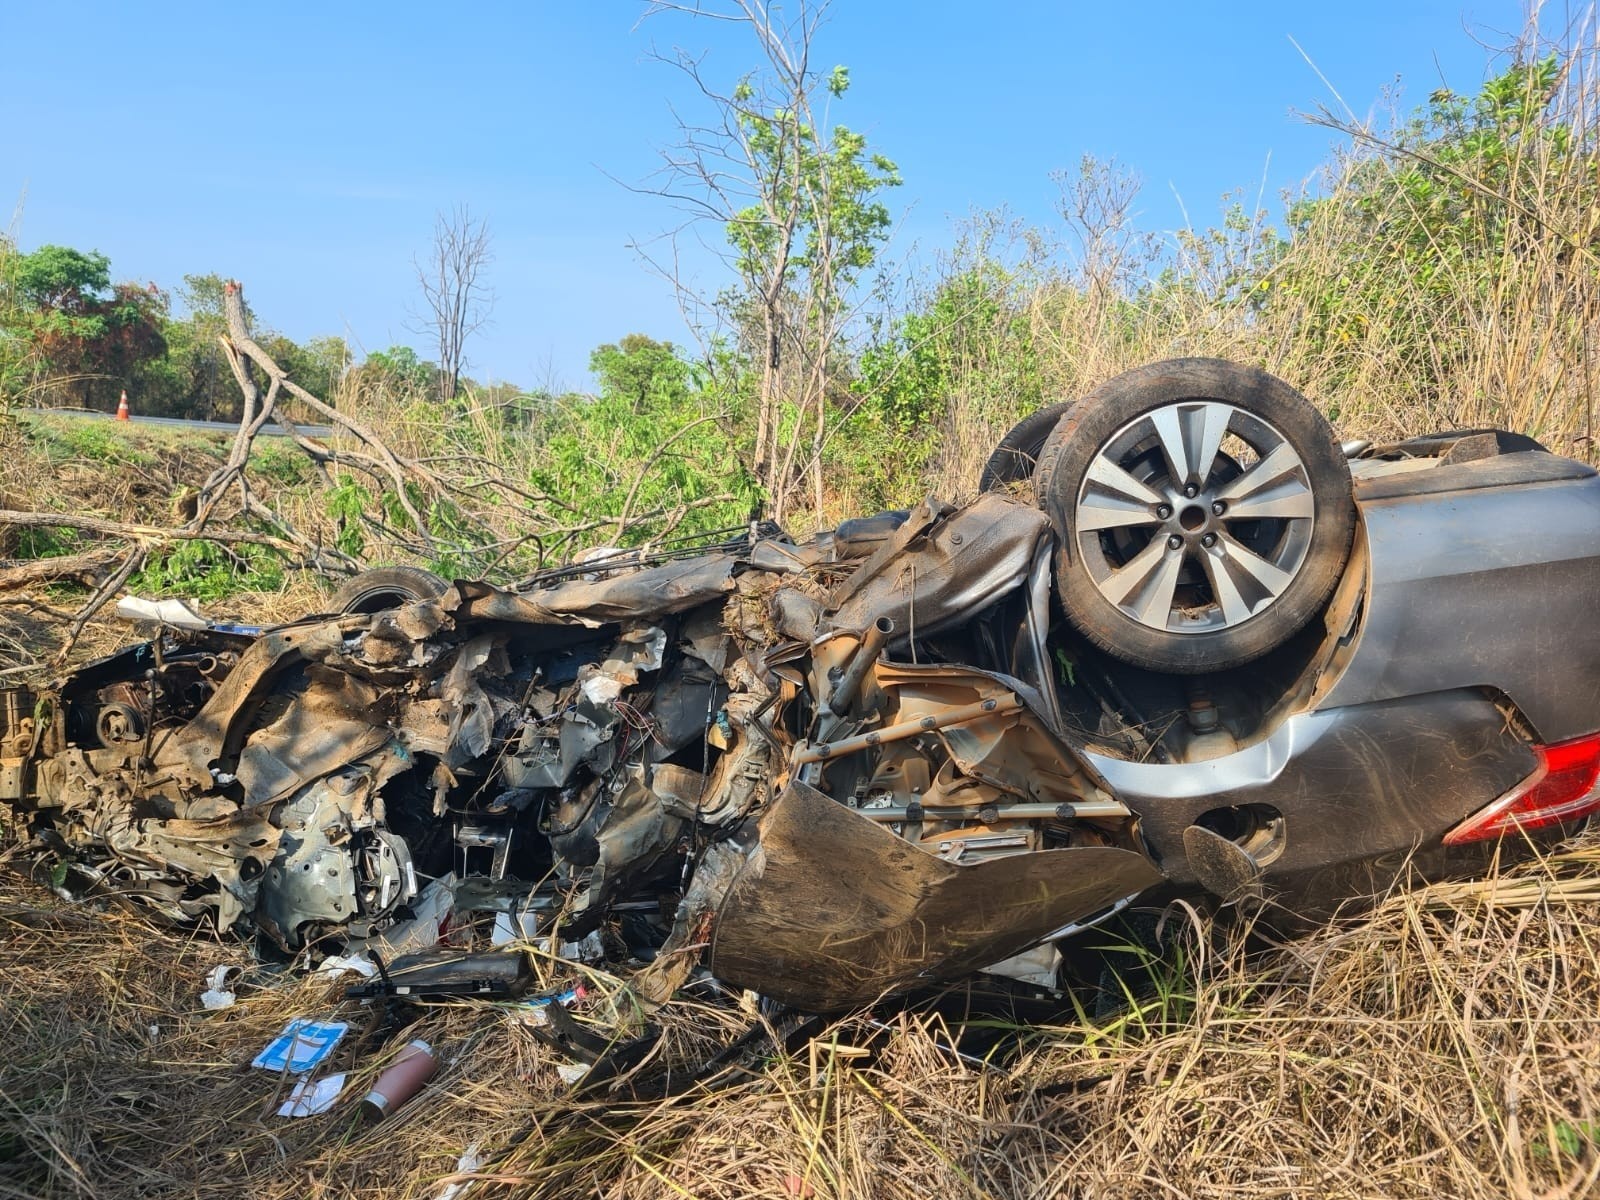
x=458, y=301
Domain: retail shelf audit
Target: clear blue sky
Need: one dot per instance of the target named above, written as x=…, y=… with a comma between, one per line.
x=304, y=148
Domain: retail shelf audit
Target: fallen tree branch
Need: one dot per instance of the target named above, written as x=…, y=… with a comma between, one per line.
x=88, y=569
x=36, y=606
x=655, y=456
x=101, y=597
x=400, y=471
x=149, y=536
x=672, y=515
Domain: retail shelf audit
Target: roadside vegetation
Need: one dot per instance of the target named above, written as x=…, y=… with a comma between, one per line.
x=1442, y=271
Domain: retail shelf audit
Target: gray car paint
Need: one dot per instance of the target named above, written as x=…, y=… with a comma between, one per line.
x=1350, y=783
x=1413, y=733
x=1489, y=587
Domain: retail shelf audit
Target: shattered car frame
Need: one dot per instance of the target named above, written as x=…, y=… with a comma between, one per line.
x=849, y=766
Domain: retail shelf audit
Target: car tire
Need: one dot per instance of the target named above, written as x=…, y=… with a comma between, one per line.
x=1016, y=456
x=386, y=587
x=1204, y=510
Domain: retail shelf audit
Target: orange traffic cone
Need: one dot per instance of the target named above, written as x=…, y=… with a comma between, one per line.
x=122, y=407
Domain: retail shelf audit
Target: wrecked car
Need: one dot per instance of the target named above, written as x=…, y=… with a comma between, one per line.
x=1184, y=644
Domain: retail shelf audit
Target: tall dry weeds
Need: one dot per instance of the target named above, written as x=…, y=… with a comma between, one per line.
x=1447, y=1045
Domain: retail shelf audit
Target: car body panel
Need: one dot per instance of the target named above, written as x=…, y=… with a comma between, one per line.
x=1350, y=783
x=1491, y=584
x=834, y=911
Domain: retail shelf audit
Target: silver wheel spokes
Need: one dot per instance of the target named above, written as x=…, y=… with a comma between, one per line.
x=1137, y=532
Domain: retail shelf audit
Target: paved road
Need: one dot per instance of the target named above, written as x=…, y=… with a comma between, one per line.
x=226, y=427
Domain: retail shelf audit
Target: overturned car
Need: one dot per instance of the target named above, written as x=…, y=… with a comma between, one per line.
x=1185, y=644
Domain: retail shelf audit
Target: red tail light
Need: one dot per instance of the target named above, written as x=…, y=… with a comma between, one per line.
x=1565, y=786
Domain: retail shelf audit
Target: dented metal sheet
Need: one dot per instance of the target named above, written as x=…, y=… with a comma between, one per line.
x=631, y=595
x=608, y=741
x=942, y=567
x=830, y=910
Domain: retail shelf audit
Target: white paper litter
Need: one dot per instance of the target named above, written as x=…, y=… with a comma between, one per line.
x=338, y=964
x=309, y=1097
x=572, y=1072
x=433, y=908
x=218, y=995
x=471, y=1159
x=302, y=1045
x=168, y=612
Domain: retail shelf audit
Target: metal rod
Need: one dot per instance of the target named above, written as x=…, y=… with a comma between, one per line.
x=1081, y=810
x=1008, y=703
x=1089, y=922
x=872, y=644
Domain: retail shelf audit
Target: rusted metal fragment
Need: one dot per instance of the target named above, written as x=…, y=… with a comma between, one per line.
x=795, y=614
x=419, y=620
x=634, y=596
x=718, y=866
x=318, y=873
x=741, y=778
x=831, y=910
x=619, y=840
x=471, y=712
x=335, y=719
x=234, y=850
x=1012, y=749
x=703, y=637
x=921, y=519
x=212, y=734
x=785, y=558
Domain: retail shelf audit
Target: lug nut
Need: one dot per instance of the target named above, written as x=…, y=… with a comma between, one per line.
x=1218, y=508
x=1209, y=540
x=1163, y=511
x=1191, y=490
x=1174, y=542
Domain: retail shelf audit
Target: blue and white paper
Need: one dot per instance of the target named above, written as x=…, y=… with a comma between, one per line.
x=302, y=1045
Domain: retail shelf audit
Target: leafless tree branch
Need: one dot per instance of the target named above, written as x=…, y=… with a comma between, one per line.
x=458, y=301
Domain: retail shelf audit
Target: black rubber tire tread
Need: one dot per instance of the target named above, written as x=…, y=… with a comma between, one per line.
x=1070, y=448
x=386, y=587
x=1016, y=456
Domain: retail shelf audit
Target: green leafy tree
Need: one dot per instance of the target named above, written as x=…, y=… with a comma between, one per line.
x=801, y=203
x=21, y=363
x=401, y=369
x=93, y=336
x=60, y=280
x=646, y=374
x=653, y=449
x=1478, y=213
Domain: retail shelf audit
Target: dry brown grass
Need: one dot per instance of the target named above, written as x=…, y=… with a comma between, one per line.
x=1447, y=1046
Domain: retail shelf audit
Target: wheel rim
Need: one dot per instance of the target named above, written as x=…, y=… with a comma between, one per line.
x=1195, y=517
